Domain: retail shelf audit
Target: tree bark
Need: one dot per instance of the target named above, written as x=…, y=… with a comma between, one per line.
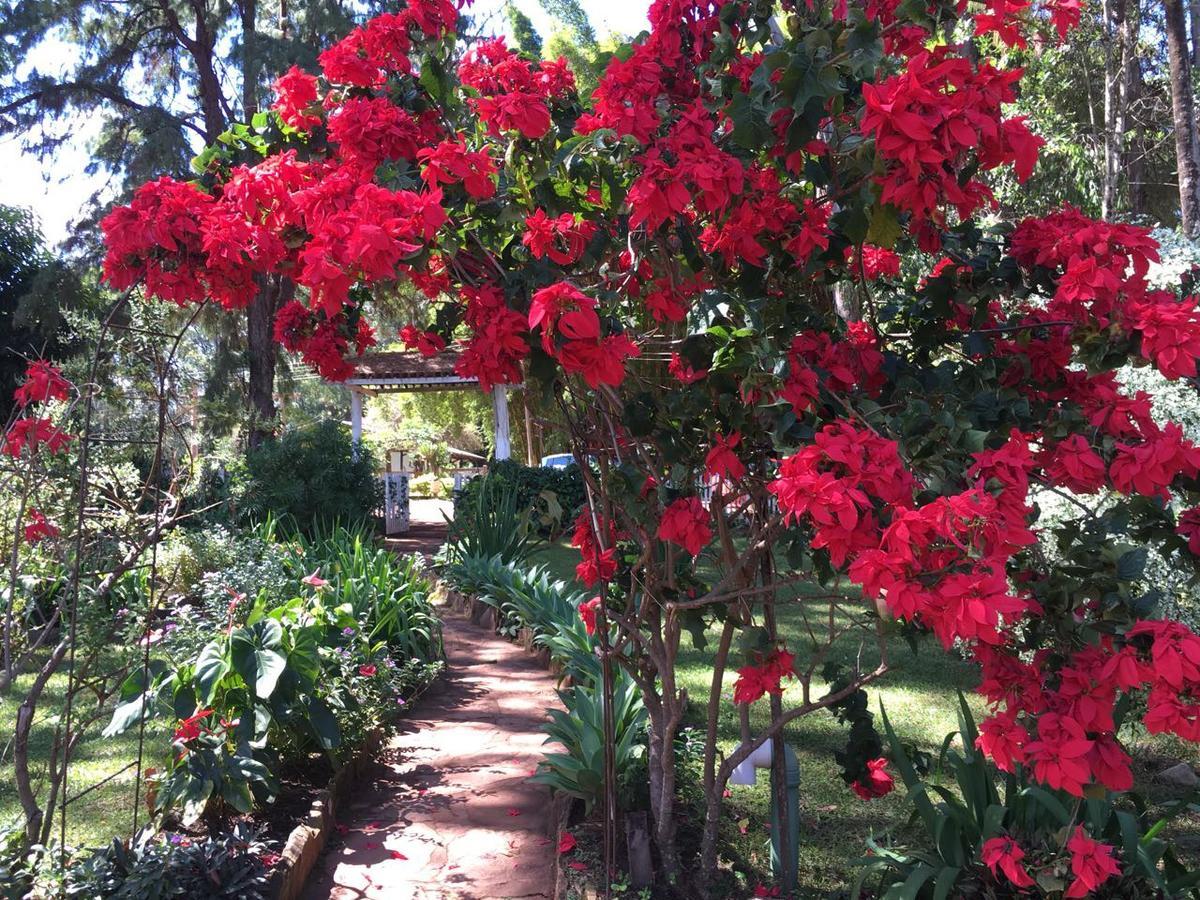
x=249, y=59
x=260, y=360
x=1135, y=149
x=1182, y=117
x=1114, y=109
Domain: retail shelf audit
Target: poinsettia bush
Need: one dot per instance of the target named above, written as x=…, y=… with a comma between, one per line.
x=700, y=265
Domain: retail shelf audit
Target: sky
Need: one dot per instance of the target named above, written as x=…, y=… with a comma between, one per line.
x=56, y=188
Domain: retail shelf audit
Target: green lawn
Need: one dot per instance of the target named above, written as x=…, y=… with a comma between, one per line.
x=103, y=812
x=919, y=694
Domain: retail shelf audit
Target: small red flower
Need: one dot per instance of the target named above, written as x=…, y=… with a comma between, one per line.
x=877, y=782
x=566, y=843
x=43, y=382
x=587, y=613
x=367, y=671
x=314, y=580
x=189, y=729
x=1005, y=854
x=38, y=527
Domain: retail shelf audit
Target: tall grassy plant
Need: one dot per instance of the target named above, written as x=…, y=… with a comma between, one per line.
x=492, y=522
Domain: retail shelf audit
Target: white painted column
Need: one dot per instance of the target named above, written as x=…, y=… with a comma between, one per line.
x=356, y=417
x=500, y=407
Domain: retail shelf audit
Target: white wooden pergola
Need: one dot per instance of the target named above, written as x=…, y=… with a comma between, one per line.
x=408, y=371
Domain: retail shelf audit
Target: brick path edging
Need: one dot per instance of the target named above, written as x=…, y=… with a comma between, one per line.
x=307, y=840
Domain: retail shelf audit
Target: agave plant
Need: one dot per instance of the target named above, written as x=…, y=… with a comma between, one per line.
x=579, y=770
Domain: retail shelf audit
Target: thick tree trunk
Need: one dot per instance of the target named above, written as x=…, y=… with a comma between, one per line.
x=1182, y=116
x=1114, y=109
x=260, y=362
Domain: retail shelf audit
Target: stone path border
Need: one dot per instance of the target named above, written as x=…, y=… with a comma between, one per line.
x=449, y=813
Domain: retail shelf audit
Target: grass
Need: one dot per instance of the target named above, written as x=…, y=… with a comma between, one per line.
x=106, y=810
x=919, y=693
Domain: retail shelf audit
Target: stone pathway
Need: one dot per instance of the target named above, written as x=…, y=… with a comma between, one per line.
x=451, y=815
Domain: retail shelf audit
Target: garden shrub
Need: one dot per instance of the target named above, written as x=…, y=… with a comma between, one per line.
x=226, y=866
x=491, y=522
x=579, y=771
x=553, y=495
x=974, y=839
x=310, y=477
x=345, y=647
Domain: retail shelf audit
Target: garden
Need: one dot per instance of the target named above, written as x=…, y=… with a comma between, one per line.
x=871, y=330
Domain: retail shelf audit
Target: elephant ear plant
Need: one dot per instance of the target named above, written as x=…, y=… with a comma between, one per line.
x=311, y=674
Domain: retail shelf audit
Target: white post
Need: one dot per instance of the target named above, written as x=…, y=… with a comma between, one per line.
x=356, y=413
x=500, y=406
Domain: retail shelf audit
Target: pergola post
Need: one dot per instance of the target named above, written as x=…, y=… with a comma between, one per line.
x=500, y=408
x=356, y=417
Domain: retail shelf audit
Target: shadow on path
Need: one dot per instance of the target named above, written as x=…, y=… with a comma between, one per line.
x=449, y=812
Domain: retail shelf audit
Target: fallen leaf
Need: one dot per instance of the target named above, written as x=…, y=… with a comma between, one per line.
x=578, y=866
x=566, y=843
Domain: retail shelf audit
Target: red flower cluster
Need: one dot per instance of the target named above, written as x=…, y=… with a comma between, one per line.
x=429, y=343
x=563, y=239
x=587, y=614
x=321, y=341
x=571, y=333
x=44, y=382
x=722, y=460
x=597, y=565
x=450, y=162
x=515, y=94
x=931, y=117
x=1003, y=854
x=765, y=678
x=38, y=527
x=494, y=352
x=686, y=523
x=877, y=782
x=33, y=434
x=296, y=99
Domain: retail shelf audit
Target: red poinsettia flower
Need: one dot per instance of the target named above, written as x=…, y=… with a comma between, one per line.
x=43, y=382
x=38, y=527
x=686, y=523
x=876, y=782
x=1003, y=854
x=1092, y=863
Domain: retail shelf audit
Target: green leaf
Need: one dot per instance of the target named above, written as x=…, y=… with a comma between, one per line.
x=324, y=724
x=211, y=666
x=884, y=229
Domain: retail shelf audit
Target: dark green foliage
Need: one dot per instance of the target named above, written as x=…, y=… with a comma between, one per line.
x=525, y=36
x=310, y=478
x=227, y=866
x=35, y=288
x=579, y=772
x=553, y=496
x=491, y=522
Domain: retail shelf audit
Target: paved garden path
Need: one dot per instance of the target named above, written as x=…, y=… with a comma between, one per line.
x=449, y=813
